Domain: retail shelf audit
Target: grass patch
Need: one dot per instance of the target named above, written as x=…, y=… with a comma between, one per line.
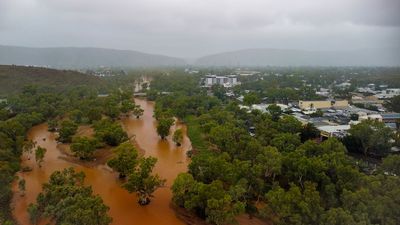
x=194, y=133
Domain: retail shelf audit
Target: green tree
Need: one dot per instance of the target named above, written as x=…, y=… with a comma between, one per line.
x=275, y=111
x=124, y=160
x=111, y=108
x=178, y=137
x=163, y=126
x=29, y=145
x=373, y=135
x=270, y=161
x=391, y=165
x=295, y=206
x=127, y=106
x=218, y=91
x=34, y=214
x=143, y=182
x=211, y=200
x=67, y=130
x=65, y=200
x=223, y=211
x=76, y=115
x=183, y=185
x=289, y=124
x=394, y=104
x=110, y=132
x=21, y=186
x=309, y=131
x=39, y=155
x=94, y=114
x=137, y=111
x=318, y=113
x=83, y=147
x=286, y=142
x=338, y=216
x=52, y=125
x=251, y=98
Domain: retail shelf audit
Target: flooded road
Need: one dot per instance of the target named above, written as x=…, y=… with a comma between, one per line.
x=124, y=208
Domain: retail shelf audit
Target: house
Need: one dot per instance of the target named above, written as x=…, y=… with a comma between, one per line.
x=305, y=105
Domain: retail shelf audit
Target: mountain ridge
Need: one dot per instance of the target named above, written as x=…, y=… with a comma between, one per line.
x=294, y=57
x=91, y=57
x=83, y=57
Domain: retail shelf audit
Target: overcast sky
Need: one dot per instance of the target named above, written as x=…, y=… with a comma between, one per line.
x=191, y=28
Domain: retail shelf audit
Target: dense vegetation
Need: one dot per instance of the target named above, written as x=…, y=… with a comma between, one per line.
x=269, y=165
x=14, y=78
x=66, y=100
x=65, y=200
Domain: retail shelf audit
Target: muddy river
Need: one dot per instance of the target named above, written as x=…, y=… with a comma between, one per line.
x=124, y=208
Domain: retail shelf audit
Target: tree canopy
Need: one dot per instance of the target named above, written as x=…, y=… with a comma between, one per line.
x=142, y=181
x=65, y=200
x=124, y=160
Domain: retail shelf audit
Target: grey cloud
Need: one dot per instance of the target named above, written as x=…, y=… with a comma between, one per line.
x=197, y=27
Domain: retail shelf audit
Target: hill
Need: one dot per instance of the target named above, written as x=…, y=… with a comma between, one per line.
x=282, y=57
x=76, y=58
x=14, y=78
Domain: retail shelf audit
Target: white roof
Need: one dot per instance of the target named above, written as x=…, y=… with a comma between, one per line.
x=334, y=129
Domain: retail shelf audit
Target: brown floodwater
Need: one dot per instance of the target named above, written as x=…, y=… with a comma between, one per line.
x=124, y=208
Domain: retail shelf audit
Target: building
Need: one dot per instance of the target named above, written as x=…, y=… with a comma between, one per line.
x=226, y=81
x=357, y=99
x=305, y=105
x=343, y=85
x=334, y=131
x=388, y=93
x=323, y=92
x=377, y=117
x=390, y=117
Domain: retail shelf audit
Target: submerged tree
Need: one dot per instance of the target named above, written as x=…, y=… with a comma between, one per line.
x=110, y=132
x=39, y=155
x=178, y=137
x=68, y=128
x=34, y=214
x=127, y=106
x=29, y=146
x=137, y=111
x=143, y=182
x=124, y=160
x=83, y=147
x=65, y=200
x=52, y=125
x=163, y=126
x=21, y=186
